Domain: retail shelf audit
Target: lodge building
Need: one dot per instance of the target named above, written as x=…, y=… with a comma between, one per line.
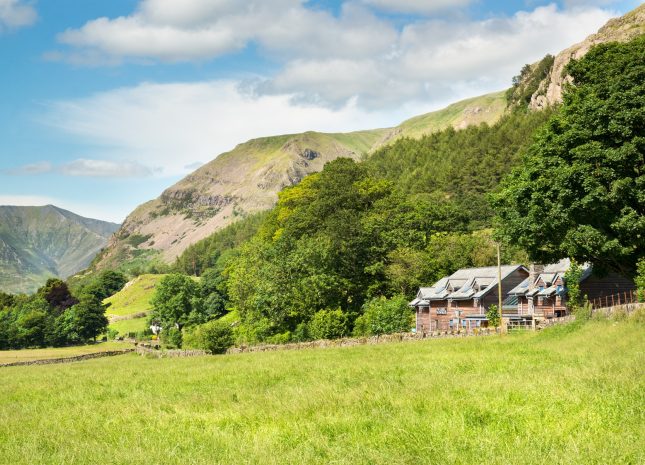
x=460, y=301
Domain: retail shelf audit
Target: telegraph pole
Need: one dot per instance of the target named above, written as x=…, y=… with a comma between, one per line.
x=499, y=288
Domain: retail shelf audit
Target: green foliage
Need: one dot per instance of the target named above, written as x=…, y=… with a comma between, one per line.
x=172, y=338
x=580, y=191
x=175, y=299
x=384, y=316
x=208, y=252
x=528, y=81
x=493, y=316
x=328, y=324
x=640, y=279
x=330, y=243
x=572, y=279
x=459, y=166
x=215, y=337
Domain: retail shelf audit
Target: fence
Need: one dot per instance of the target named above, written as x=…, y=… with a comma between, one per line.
x=613, y=300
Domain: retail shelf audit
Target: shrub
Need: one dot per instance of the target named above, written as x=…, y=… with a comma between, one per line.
x=640, y=279
x=215, y=337
x=328, y=324
x=493, y=316
x=384, y=316
x=583, y=312
x=301, y=333
x=172, y=338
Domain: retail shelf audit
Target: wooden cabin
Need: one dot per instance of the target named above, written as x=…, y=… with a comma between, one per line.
x=460, y=301
x=544, y=294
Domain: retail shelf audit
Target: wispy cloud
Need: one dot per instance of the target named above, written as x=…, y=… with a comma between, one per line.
x=15, y=14
x=86, y=168
x=178, y=125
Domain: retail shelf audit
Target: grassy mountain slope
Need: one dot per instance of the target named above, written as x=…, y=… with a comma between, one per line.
x=248, y=178
x=41, y=242
x=567, y=395
x=134, y=297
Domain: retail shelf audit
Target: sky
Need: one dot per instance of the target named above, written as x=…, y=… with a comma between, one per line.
x=105, y=103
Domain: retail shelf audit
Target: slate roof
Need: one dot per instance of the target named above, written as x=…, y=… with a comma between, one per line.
x=464, y=284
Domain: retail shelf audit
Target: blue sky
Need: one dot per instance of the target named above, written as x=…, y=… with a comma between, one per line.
x=105, y=103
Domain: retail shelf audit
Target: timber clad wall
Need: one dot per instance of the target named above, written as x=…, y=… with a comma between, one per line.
x=595, y=287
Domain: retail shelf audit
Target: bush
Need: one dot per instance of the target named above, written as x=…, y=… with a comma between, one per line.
x=215, y=337
x=172, y=338
x=384, y=316
x=493, y=316
x=328, y=324
x=640, y=279
x=583, y=312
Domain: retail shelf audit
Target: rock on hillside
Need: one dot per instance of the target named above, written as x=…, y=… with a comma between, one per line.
x=41, y=242
x=248, y=179
x=621, y=29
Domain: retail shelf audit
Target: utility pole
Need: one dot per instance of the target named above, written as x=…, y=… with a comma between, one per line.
x=499, y=288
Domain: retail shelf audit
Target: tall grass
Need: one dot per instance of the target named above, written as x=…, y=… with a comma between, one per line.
x=568, y=395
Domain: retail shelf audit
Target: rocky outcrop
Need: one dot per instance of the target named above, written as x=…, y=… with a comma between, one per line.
x=621, y=29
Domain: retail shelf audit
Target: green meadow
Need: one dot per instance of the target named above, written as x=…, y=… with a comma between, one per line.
x=135, y=297
x=571, y=394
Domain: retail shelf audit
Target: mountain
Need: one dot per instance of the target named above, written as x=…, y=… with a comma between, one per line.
x=41, y=242
x=248, y=178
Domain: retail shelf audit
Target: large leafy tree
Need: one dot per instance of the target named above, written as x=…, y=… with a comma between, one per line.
x=580, y=191
x=175, y=298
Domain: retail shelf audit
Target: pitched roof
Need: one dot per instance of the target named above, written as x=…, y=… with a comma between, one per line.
x=466, y=283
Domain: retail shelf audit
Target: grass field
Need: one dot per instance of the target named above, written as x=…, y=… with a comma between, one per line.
x=568, y=395
x=135, y=297
x=9, y=356
x=134, y=325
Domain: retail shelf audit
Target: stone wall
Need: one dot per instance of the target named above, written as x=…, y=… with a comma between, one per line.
x=76, y=358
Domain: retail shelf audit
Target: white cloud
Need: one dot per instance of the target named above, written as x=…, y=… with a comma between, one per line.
x=15, y=14
x=171, y=31
x=417, y=6
x=86, y=168
x=435, y=59
x=330, y=60
x=105, y=168
x=177, y=125
x=30, y=169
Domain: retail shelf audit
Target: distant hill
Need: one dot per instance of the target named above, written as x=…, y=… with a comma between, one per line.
x=41, y=242
x=248, y=178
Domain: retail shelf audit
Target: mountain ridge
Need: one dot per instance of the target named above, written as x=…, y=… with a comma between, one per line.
x=38, y=242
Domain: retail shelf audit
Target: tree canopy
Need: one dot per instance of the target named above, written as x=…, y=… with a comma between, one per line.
x=580, y=191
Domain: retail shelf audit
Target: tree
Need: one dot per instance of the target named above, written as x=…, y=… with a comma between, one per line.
x=57, y=295
x=87, y=317
x=572, y=281
x=493, y=316
x=328, y=324
x=215, y=337
x=580, y=192
x=176, y=297
x=384, y=316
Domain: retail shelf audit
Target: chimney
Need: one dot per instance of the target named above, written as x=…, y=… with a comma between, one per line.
x=534, y=271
